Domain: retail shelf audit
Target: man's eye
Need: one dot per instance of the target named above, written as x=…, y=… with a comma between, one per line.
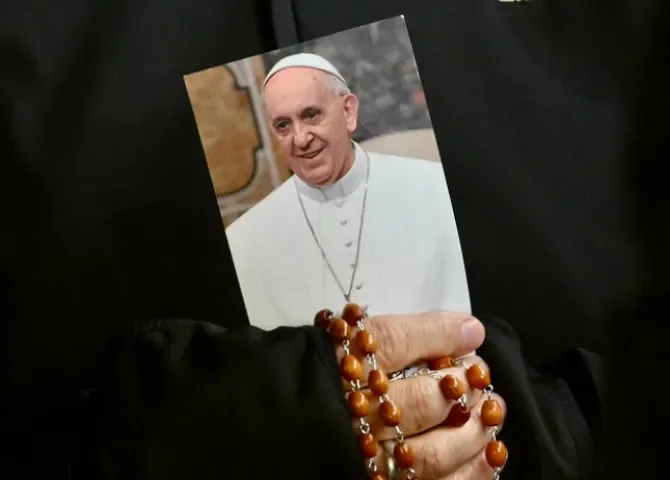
x=280, y=126
x=311, y=113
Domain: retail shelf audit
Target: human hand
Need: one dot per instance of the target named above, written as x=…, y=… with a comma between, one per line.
x=441, y=422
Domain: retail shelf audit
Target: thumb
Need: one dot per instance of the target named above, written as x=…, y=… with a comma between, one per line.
x=406, y=339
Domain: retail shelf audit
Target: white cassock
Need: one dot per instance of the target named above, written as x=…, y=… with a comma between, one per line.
x=410, y=258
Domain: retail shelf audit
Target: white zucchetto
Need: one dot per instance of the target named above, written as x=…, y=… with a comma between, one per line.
x=307, y=60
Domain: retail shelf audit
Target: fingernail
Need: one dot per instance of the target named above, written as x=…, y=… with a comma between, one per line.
x=472, y=333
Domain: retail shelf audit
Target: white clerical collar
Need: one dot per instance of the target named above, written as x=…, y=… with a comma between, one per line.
x=344, y=187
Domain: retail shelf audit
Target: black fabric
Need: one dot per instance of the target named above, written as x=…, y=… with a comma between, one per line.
x=109, y=218
x=189, y=400
x=283, y=20
x=636, y=445
x=108, y=215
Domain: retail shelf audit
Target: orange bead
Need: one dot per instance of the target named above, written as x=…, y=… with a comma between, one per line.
x=496, y=454
x=452, y=388
x=492, y=413
x=378, y=382
x=365, y=342
x=404, y=455
x=441, y=363
x=352, y=313
x=340, y=330
x=322, y=318
x=389, y=414
x=478, y=377
x=350, y=368
x=379, y=476
x=457, y=417
x=368, y=445
x=358, y=404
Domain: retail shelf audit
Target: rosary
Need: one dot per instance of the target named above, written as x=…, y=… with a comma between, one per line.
x=350, y=326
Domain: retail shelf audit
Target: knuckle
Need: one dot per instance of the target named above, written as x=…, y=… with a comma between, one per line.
x=427, y=390
x=392, y=340
x=424, y=403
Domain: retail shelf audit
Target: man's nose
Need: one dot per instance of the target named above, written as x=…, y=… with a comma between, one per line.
x=302, y=138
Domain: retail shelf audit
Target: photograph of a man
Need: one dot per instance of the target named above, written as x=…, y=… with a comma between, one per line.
x=349, y=224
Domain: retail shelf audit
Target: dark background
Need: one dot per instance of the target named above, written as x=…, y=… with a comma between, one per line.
x=108, y=215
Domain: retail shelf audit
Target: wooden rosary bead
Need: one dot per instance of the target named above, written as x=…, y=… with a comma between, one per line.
x=452, y=388
x=340, y=330
x=322, y=318
x=379, y=476
x=389, y=414
x=378, y=382
x=369, y=445
x=492, y=413
x=358, y=404
x=352, y=313
x=441, y=363
x=496, y=454
x=478, y=377
x=350, y=368
x=404, y=455
x=365, y=342
x=457, y=416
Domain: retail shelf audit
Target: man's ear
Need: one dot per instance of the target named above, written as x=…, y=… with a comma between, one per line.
x=351, y=111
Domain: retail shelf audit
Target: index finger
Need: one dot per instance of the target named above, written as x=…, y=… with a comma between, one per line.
x=407, y=339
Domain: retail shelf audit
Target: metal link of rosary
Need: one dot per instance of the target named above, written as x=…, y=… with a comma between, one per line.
x=347, y=295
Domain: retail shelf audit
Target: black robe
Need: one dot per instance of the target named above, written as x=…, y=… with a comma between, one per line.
x=111, y=220
x=634, y=417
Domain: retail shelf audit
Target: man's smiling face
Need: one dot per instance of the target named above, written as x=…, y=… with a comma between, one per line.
x=312, y=122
